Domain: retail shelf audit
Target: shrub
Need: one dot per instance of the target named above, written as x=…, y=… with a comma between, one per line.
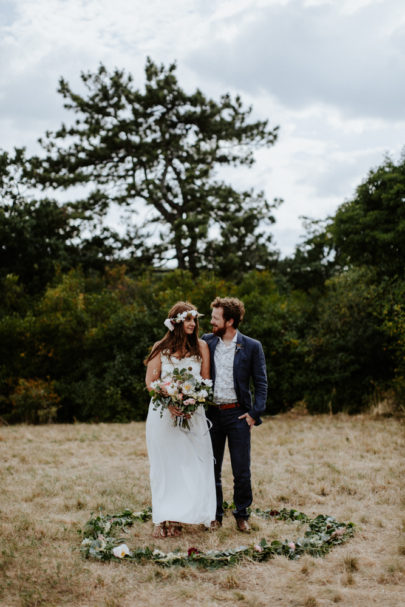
x=34, y=401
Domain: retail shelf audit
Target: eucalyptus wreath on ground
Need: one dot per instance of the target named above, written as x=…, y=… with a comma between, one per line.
x=101, y=540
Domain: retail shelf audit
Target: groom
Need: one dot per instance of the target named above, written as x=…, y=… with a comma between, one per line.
x=235, y=360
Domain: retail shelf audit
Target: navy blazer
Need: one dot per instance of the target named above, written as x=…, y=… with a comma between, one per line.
x=249, y=363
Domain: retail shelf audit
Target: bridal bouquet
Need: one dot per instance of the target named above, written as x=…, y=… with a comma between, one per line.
x=183, y=390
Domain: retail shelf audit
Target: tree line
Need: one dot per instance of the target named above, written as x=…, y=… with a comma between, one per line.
x=82, y=303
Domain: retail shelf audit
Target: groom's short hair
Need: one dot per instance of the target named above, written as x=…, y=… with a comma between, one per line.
x=232, y=308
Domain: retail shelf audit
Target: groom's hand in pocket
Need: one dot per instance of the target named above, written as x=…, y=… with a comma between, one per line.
x=249, y=419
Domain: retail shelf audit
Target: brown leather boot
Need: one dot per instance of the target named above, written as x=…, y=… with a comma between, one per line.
x=242, y=525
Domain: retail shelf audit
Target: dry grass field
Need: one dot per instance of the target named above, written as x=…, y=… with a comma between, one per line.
x=53, y=477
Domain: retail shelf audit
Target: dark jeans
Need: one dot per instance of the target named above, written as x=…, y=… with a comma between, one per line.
x=225, y=424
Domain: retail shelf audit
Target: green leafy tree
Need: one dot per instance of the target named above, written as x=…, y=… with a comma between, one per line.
x=34, y=234
x=160, y=147
x=370, y=229
x=348, y=355
x=314, y=260
x=34, y=401
x=41, y=236
x=393, y=325
x=277, y=321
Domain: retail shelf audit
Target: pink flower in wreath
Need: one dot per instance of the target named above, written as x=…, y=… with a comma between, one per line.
x=291, y=545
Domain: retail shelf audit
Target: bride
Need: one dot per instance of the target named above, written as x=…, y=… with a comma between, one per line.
x=181, y=461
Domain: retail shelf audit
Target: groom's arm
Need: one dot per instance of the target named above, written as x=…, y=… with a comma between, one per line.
x=259, y=376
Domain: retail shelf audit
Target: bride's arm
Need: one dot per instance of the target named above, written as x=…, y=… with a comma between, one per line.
x=153, y=370
x=206, y=362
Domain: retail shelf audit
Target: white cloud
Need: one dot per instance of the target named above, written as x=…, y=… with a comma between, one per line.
x=310, y=54
x=329, y=72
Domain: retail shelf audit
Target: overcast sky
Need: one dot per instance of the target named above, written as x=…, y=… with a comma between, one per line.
x=330, y=73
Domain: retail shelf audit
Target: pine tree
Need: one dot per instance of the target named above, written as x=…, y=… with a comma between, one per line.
x=162, y=147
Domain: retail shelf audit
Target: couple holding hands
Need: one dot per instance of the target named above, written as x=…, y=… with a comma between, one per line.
x=185, y=465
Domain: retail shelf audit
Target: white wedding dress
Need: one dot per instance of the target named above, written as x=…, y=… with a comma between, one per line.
x=181, y=461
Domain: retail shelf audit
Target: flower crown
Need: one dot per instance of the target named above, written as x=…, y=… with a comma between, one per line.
x=181, y=317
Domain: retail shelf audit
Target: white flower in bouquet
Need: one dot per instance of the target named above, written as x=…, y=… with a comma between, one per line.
x=172, y=390
x=207, y=382
x=187, y=387
x=183, y=390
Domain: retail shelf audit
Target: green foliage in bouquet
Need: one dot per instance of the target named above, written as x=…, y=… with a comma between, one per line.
x=182, y=390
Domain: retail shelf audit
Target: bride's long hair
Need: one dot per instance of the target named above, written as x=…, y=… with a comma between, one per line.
x=177, y=340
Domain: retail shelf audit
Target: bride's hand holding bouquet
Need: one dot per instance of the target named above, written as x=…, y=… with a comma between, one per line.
x=181, y=394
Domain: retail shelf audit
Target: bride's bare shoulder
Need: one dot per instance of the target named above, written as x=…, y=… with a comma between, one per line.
x=155, y=345
x=203, y=346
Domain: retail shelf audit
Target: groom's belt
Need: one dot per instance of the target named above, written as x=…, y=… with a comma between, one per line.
x=228, y=405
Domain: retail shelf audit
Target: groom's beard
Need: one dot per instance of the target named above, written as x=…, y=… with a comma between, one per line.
x=219, y=331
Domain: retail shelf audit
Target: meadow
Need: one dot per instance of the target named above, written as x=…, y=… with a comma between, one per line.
x=54, y=476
